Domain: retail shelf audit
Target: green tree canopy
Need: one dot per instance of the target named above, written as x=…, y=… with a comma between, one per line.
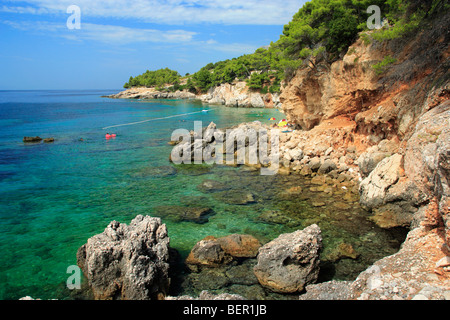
x=156, y=78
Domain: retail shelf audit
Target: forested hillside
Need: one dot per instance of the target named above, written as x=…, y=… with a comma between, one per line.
x=319, y=34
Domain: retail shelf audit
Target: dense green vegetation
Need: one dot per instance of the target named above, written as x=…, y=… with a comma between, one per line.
x=383, y=65
x=406, y=17
x=260, y=69
x=319, y=33
x=158, y=78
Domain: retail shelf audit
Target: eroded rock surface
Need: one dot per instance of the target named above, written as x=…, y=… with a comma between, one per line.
x=128, y=262
x=291, y=261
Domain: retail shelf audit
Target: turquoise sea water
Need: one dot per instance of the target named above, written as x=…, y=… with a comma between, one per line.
x=54, y=196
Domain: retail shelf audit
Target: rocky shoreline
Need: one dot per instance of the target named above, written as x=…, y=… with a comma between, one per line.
x=384, y=176
x=381, y=140
x=403, y=186
x=236, y=94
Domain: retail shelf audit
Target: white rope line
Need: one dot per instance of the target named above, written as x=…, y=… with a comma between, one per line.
x=132, y=123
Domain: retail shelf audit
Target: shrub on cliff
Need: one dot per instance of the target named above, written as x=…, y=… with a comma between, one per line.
x=407, y=16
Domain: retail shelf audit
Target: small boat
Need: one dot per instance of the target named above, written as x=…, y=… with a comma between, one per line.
x=109, y=136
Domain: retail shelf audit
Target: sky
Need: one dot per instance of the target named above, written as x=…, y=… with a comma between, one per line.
x=43, y=47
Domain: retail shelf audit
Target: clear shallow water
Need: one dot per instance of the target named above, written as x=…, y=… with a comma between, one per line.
x=53, y=197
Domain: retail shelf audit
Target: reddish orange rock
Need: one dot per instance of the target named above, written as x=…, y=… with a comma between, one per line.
x=240, y=245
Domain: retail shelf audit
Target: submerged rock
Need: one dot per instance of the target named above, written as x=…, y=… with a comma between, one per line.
x=212, y=186
x=180, y=213
x=318, y=180
x=277, y=217
x=128, y=262
x=343, y=250
x=208, y=279
x=243, y=274
x=235, y=197
x=291, y=261
x=391, y=216
x=32, y=139
x=318, y=203
x=49, y=140
x=155, y=172
x=214, y=252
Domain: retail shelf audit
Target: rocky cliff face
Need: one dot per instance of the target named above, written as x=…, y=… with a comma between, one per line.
x=399, y=118
x=313, y=96
x=238, y=95
x=382, y=106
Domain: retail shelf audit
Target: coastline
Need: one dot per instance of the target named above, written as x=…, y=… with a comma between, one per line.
x=229, y=95
x=419, y=270
x=346, y=198
x=383, y=138
x=388, y=135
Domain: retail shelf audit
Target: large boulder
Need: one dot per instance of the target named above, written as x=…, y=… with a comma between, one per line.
x=209, y=253
x=389, y=194
x=314, y=164
x=240, y=245
x=215, y=252
x=327, y=166
x=128, y=262
x=291, y=261
x=387, y=173
x=368, y=160
x=208, y=132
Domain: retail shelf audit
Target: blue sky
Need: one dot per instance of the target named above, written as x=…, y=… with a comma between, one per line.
x=123, y=38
